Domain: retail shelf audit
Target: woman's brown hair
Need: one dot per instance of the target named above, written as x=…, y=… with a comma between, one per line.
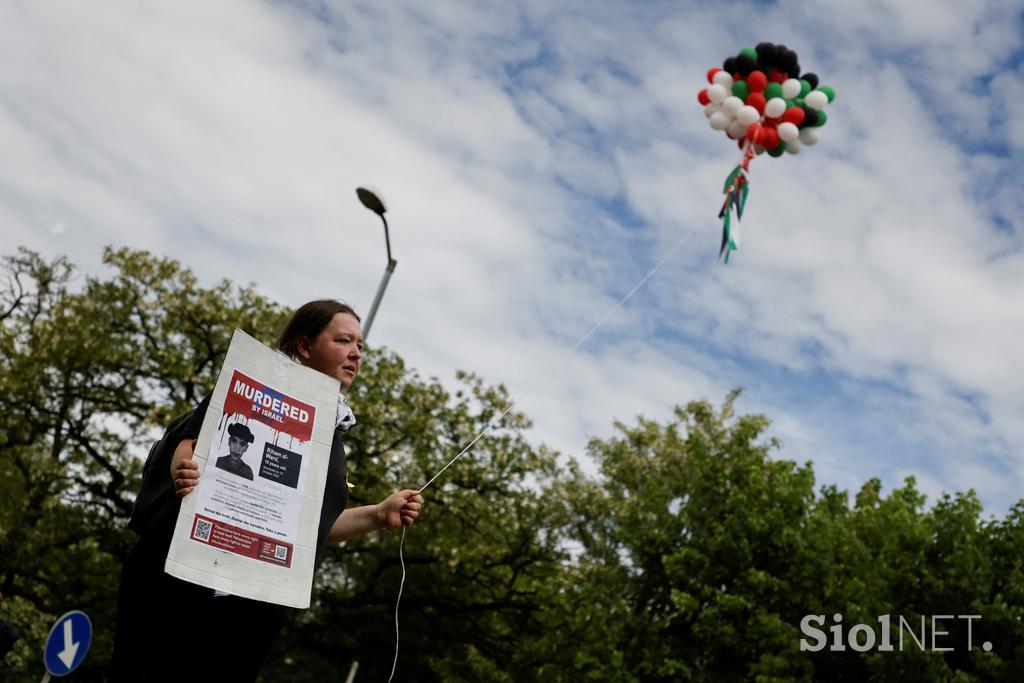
x=308, y=321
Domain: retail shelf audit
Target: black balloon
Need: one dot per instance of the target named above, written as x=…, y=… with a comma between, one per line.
x=812, y=79
x=744, y=64
x=810, y=117
x=794, y=72
x=767, y=53
x=730, y=65
x=804, y=124
x=788, y=61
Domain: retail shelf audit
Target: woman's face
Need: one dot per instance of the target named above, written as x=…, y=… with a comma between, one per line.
x=337, y=351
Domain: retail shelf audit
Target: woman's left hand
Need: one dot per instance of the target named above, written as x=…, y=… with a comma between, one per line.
x=399, y=509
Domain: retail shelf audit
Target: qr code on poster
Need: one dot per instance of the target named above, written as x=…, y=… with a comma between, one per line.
x=203, y=529
x=281, y=552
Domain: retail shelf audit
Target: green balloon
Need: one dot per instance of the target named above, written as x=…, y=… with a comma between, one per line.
x=829, y=93
x=773, y=90
x=778, y=151
x=798, y=102
x=805, y=87
x=750, y=52
x=740, y=89
x=790, y=103
x=822, y=118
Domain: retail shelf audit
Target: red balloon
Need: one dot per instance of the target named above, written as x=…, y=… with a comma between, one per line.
x=703, y=98
x=770, y=138
x=756, y=100
x=778, y=76
x=757, y=81
x=755, y=132
x=793, y=115
x=711, y=74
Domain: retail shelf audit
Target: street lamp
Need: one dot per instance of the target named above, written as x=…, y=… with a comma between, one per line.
x=374, y=203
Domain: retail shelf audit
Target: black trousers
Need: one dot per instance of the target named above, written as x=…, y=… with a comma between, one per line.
x=173, y=630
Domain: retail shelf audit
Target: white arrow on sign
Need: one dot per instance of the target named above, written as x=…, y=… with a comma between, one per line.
x=67, y=655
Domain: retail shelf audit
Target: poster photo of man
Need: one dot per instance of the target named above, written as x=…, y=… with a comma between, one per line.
x=239, y=438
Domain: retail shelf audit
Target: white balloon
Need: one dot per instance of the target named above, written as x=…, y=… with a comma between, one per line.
x=809, y=136
x=788, y=131
x=731, y=105
x=710, y=109
x=816, y=99
x=790, y=88
x=723, y=78
x=737, y=129
x=747, y=115
x=793, y=146
x=720, y=120
x=774, y=108
x=717, y=92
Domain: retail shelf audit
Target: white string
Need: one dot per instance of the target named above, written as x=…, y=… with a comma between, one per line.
x=464, y=450
x=512, y=403
x=632, y=291
x=400, y=586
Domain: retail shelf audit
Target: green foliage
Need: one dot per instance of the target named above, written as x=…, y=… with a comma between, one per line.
x=690, y=554
x=88, y=376
x=700, y=555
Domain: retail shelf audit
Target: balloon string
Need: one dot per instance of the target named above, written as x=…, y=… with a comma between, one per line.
x=486, y=429
x=491, y=423
x=401, y=559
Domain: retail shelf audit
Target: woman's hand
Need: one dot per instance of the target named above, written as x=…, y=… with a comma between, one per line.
x=184, y=470
x=399, y=509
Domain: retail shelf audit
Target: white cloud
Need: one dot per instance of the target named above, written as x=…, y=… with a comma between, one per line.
x=538, y=161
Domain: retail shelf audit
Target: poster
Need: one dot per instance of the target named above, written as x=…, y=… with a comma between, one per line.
x=249, y=528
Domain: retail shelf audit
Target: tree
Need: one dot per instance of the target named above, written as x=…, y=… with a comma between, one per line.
x=701, y=554
x=90, y=376
x=692, y=554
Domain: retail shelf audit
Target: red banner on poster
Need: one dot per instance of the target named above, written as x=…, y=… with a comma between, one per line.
x=241, y=542
x=254, y=400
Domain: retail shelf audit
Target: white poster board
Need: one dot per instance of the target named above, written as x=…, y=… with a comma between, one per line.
x=250, y=526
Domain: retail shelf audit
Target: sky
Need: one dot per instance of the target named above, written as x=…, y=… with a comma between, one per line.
x=538, y=160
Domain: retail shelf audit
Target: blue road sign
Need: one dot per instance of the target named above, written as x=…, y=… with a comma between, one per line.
x=67, y=643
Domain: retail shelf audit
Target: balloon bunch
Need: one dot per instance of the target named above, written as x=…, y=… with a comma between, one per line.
x=760, y=99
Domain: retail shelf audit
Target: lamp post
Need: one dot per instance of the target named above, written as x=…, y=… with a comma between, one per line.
x=374, y=203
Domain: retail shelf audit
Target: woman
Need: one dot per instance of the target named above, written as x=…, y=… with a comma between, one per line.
x=168, y=628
